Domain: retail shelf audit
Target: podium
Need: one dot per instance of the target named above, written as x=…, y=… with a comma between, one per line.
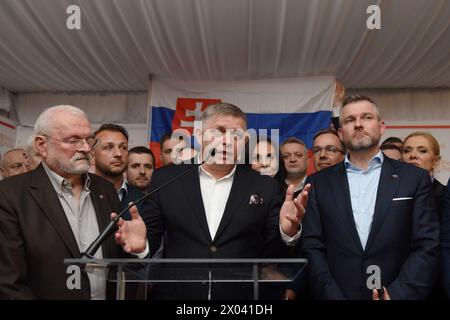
x=207, y=272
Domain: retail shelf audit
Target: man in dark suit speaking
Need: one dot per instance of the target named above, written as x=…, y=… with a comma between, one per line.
x=54, y=212
x=370, y=220
x=220, y=209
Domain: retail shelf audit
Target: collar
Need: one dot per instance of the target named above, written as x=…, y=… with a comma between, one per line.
x=302, y=183
x=202, y=171
x=300, y=186
x=376, y=160
x=62, y=184
x=123, y=188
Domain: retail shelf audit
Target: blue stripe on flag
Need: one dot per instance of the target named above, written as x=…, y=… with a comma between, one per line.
x=161, y=122
x=300, y=125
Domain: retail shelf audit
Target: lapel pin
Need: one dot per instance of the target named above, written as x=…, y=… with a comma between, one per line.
x=101, y=196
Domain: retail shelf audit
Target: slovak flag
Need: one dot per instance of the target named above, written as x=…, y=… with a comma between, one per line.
x=297, y=107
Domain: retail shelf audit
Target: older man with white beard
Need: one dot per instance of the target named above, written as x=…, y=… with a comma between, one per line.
x=54, y=212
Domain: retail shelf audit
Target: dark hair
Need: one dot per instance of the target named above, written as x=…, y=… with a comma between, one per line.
x=142, y=150
x=111, y=127
x=388, y=146
x=164, y=138
x=329, y=131
x=392, y=140
x=176, y=134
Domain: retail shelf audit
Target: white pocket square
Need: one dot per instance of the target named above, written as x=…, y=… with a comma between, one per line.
x=255, y=199
x=402, y=199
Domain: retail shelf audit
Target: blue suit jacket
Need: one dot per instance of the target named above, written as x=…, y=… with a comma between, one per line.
x=403, y=240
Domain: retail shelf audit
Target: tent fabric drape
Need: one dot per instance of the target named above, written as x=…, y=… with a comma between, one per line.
x=121, y=43
x=115, y=108
x=5, y=99
x=411, y=105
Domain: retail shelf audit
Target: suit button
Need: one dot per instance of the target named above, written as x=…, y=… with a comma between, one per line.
x=213, y=249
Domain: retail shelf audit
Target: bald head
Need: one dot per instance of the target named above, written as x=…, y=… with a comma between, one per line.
x=14, y=162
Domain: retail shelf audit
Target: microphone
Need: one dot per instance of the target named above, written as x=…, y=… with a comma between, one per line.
x=111, y=227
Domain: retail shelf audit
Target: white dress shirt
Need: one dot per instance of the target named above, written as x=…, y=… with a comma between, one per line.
x=363, y=185
x=215, y=193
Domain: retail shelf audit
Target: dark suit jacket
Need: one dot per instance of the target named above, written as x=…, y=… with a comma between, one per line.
x=403, y=240
x=133, y=194
x=35, y=237
x=245, y=231
x=439, y=191
x=445, y=240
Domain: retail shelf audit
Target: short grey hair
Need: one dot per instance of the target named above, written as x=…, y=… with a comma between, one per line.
x=223, y=109
x=358, y=98
x=43, y=124
x=295, y=140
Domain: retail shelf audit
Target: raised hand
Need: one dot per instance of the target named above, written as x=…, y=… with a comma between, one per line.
x=131, y=234
x=293, y=210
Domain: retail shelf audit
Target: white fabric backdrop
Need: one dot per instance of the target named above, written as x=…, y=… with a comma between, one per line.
x=5, y=99
x=121, y=43
x=129, y=109
x=124, y=108
x=8, y=133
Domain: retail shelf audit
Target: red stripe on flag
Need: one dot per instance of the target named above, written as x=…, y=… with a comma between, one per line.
x=7, y=125
x=154, y=146
x=418, y=127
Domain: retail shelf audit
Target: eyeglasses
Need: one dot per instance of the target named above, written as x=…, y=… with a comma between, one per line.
x=77, y=143
x=329, y=149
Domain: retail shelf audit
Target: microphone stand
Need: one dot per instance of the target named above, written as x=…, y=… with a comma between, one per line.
x=93, y=247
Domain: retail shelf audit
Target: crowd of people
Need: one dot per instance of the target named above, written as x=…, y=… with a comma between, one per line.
x=366, y=204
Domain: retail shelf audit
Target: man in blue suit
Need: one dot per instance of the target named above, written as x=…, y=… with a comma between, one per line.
x=370, y=220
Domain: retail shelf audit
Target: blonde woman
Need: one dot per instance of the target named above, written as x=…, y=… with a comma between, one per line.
x=422, y=150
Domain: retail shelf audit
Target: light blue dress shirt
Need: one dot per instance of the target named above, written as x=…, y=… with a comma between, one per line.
x=363, y=186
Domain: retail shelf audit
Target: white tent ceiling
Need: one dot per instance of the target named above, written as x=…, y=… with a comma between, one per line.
x=121, y=43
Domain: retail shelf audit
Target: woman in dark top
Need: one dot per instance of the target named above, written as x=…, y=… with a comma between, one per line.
x=422, y=150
